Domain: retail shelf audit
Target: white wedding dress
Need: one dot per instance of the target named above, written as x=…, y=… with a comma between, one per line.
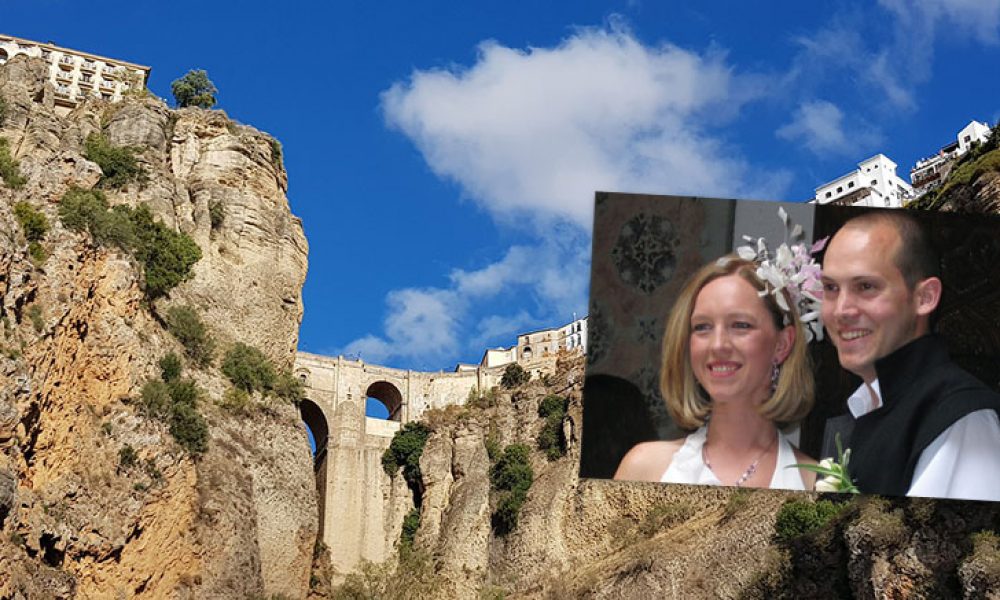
x=687, y=465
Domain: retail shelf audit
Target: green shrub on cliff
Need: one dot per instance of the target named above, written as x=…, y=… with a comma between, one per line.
x=512, y=475
x=799, y=517
x=194, y=88
x=118, y=163
x=170, y=367
x=189, y=429
x=9, y=168
x=248, y=369
x=175, y=401
x=167, y=256
x=35, y=226
x=184, y=324
x=411, y=523
x=405, y=450
x=551, y=439
x=32, y=221
x=513, y=376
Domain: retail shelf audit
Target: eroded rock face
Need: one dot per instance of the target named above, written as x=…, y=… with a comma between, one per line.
x=604, y=539
x=79, y=340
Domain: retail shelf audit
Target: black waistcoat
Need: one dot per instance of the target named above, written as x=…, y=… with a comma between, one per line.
x=923, y=393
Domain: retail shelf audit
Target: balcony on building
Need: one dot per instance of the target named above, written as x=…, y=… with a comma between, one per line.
x=86, y=81
x=67, y=62
x=64, y=76
x=107, y=85
x=62, y=91
x=88, y=66
x=109, y=72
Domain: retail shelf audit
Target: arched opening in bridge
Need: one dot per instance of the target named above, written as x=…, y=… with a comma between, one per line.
x=384, y=401
x=319, y=435
x=317, y=427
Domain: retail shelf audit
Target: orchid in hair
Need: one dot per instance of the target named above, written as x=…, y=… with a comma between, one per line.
x=793, y=269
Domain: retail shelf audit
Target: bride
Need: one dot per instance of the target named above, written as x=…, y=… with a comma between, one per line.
x=734, y=368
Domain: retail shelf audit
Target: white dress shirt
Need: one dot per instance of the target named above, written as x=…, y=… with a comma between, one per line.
x=962, y=463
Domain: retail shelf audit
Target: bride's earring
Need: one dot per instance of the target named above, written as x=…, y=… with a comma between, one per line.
x=775, y=373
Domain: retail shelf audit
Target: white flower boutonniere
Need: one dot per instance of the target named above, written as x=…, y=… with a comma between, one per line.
x=835, y=476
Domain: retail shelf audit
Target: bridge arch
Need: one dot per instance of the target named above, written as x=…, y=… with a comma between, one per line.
x=315, y=419
x=319, y=426
x=389, y=395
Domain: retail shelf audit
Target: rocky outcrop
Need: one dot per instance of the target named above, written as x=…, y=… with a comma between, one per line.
x=79, y=339
x=604, y=539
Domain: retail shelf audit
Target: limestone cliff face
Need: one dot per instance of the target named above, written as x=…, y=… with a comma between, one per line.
x=79, y=340
x=576, y=538
x=603, y=539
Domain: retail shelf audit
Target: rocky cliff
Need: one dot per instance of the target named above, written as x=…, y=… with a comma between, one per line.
x=98, y=500
x=972, y=184
x=602, y=539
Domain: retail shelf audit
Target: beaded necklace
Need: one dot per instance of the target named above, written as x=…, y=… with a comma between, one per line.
x=750, y=470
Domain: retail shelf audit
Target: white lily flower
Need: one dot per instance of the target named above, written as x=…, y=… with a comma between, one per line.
x=780, y=299
x=783, y=215
x=810, y=316
x=746, y=253
x=827, y=484
x=783, y=256
x=826, y=463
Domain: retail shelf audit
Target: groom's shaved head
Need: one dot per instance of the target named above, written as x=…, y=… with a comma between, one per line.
x=915, y=256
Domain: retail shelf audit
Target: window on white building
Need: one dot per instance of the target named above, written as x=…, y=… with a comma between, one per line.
x=839, y=189
x=850, y=184
x=828, y=194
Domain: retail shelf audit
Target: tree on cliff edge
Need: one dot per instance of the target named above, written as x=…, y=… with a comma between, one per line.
x=194, y=89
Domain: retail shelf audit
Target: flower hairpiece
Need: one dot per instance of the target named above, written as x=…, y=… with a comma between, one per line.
x=791, y=268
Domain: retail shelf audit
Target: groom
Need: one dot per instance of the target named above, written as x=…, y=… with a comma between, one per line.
x=921, y=425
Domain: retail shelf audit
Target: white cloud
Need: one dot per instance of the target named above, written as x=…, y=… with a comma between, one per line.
x=496, y=327
x=530, y=135
x=419, y=323
x=819, y=126
x=979, y=18
x=430, y=326
x=536, y=132
x=890, y=52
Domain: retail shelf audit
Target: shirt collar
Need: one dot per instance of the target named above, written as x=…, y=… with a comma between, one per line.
x=862, y=402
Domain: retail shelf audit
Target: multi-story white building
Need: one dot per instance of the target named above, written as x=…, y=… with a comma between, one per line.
x=77, y=75
x=874, y=183
x=930, y=172
x=538, y=344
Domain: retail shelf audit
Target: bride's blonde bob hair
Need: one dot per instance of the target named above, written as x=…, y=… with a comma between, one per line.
x=687, y=402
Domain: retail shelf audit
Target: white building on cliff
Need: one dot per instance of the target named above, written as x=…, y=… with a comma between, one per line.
x=874, y=183
x=537, y=345
x=931, y=171
x=77, y=75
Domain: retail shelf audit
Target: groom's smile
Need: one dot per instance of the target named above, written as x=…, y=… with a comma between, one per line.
x=867, y=306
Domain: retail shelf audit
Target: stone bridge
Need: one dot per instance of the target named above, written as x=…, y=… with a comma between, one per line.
x=357, y=520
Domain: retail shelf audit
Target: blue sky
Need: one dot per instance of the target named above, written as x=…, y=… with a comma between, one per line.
x=443, y=156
